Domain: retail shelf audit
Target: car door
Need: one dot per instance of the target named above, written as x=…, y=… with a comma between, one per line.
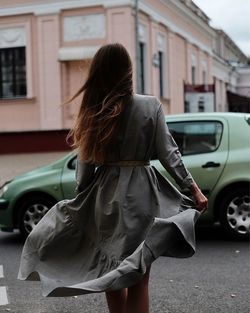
x=68, y=180
x=204, y=147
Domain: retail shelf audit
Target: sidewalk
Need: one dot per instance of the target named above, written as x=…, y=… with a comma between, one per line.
x=12, y=165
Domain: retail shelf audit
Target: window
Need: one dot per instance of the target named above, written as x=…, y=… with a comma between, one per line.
x=201, y=104
x=186, y=106
x=196, y=137
x=160, y=57
x=142, y=67
x=12, y=72
x=193, y=75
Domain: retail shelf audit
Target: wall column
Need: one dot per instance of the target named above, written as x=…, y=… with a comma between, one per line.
x=49, y=72
x=153, y=50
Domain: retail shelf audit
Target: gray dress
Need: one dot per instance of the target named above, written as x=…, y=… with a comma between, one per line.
x=123, y=217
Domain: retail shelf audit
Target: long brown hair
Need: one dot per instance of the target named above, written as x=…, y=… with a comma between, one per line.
x=106, y=92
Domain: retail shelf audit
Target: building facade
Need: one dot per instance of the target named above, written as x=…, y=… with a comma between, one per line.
x=243, y=85
x=46, y=48
x=230, y=74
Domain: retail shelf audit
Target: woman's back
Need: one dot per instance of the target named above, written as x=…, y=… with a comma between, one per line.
x=135, y=137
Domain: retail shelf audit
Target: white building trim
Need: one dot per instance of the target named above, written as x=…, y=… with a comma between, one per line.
x=77, y=53
x=87, y=26
x=11, y=37
x=220, y=71
x=229, y=75
x=187, y=12
x=172, y=27
x=56, y=7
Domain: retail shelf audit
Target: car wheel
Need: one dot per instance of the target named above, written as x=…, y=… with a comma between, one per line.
x=31, y=212
x=235, y=213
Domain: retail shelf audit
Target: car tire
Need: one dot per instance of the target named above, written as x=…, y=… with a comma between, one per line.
x=234, y=213
x=31, y=212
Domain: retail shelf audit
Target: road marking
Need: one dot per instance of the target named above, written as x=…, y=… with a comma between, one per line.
x=3, y=296
x=1, y=271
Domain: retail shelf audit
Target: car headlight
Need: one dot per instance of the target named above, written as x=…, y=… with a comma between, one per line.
x=3, y=189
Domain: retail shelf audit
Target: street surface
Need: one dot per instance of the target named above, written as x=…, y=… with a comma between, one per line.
x=214, y=280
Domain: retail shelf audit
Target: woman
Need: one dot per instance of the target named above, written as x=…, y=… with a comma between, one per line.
x=125, y=214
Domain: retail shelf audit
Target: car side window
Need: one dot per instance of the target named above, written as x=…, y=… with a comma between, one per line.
x=196, y=137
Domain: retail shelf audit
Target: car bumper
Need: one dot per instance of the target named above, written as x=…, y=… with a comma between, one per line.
x=3, y=204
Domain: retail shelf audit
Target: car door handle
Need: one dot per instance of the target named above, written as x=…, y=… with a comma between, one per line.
x=210, y=164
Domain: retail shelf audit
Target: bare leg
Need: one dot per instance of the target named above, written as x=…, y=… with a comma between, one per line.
x=117, y=300
x=138, y=299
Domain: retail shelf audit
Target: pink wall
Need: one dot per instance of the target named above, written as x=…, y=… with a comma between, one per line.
x=8, y=3
x=173, y=14
x=74, y=74
x=49, y=72
x=50, y=81
x=178, y=65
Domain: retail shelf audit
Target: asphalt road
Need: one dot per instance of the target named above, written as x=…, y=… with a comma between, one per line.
x=215, y=280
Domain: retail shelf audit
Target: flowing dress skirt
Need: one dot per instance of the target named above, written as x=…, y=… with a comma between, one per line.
x=105, y=238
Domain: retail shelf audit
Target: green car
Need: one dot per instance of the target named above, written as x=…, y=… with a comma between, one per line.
x=215, y=148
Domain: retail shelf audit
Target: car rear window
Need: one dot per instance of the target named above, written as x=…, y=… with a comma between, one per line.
x=195, y=137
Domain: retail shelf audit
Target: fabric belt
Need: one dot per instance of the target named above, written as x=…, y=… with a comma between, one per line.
x=128, y=163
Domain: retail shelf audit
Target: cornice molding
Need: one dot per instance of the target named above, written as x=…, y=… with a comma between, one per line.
x=172, y=27
x=56, y=7
x=188, y=13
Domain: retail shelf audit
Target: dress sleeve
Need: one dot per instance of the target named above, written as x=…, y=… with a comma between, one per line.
x=84, y=174
x=168, y=153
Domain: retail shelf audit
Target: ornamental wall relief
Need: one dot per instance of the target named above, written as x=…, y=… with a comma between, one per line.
x=84, y=27
x=12, y=37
